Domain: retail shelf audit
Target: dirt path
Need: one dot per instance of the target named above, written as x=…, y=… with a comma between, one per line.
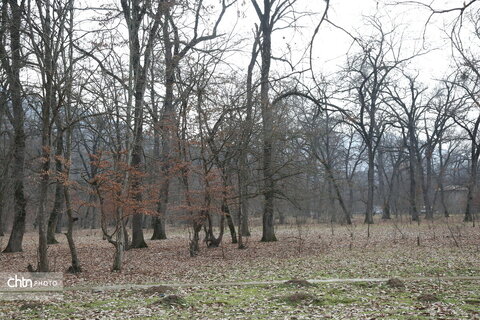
x=256, y=283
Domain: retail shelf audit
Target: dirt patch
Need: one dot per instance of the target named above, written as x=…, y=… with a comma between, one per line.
x=395, y=283
x=427, y=297
x=161, y=290
x=173, y=299
x=298, y=297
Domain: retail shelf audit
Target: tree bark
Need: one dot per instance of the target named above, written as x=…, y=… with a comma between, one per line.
x=18, y=229
x=412, y=173
x=472, y=184
x=371, y=184
x=427, y=183
x=59, y=192
x=134, y=14
x=268, y=232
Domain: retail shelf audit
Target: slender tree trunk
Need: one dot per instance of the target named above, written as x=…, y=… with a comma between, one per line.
x=440, y=181
x=75, y=267
x=371, y=185
x=243, y=229
x=228, y=216
x=133, y=13
x=472, y=186
x=158, y=222
x=427, y=183
x=381, y=185
x=413, y=180
x=346, y=214
x=1, y=211
x=59, y=192
x=119, y=245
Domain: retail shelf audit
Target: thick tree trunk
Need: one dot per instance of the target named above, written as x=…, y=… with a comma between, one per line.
x=268, y=232
x=167, y=128
x=59, y=224
x=158, y=225
x=49, y=102
x=138, y=240
x=20, y=203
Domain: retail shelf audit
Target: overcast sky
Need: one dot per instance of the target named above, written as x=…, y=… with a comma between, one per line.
x=332, y=44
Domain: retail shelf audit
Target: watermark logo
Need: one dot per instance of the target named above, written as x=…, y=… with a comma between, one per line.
x=31, y=286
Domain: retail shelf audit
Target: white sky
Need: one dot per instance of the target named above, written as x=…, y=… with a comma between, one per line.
x=331, y=44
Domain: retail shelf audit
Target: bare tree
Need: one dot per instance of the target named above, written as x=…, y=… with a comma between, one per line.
x=12, y=10
x=367, y=75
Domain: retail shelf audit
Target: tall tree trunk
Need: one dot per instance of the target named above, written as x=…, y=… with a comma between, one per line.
x=371, y=185
x=381, y=184
x=46, y=143
x=1, y=211
x=440, y=181
x=413, y=180
x=18, y=168
x=138, y=240
x=427, y=183
x=158, y=222
x=268, y=232
x=243, y=229
x=472, y=186
x=75, y=267
x=120, y=245
x=167, y=128
x=59, y=192
x=133, y=13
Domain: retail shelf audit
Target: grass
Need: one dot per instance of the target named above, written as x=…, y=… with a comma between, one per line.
x=340, y=300
x=324, y=254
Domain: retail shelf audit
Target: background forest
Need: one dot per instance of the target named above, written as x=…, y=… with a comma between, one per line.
x=213, y=115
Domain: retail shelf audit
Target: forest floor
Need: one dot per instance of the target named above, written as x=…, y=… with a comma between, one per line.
x=438, y=263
